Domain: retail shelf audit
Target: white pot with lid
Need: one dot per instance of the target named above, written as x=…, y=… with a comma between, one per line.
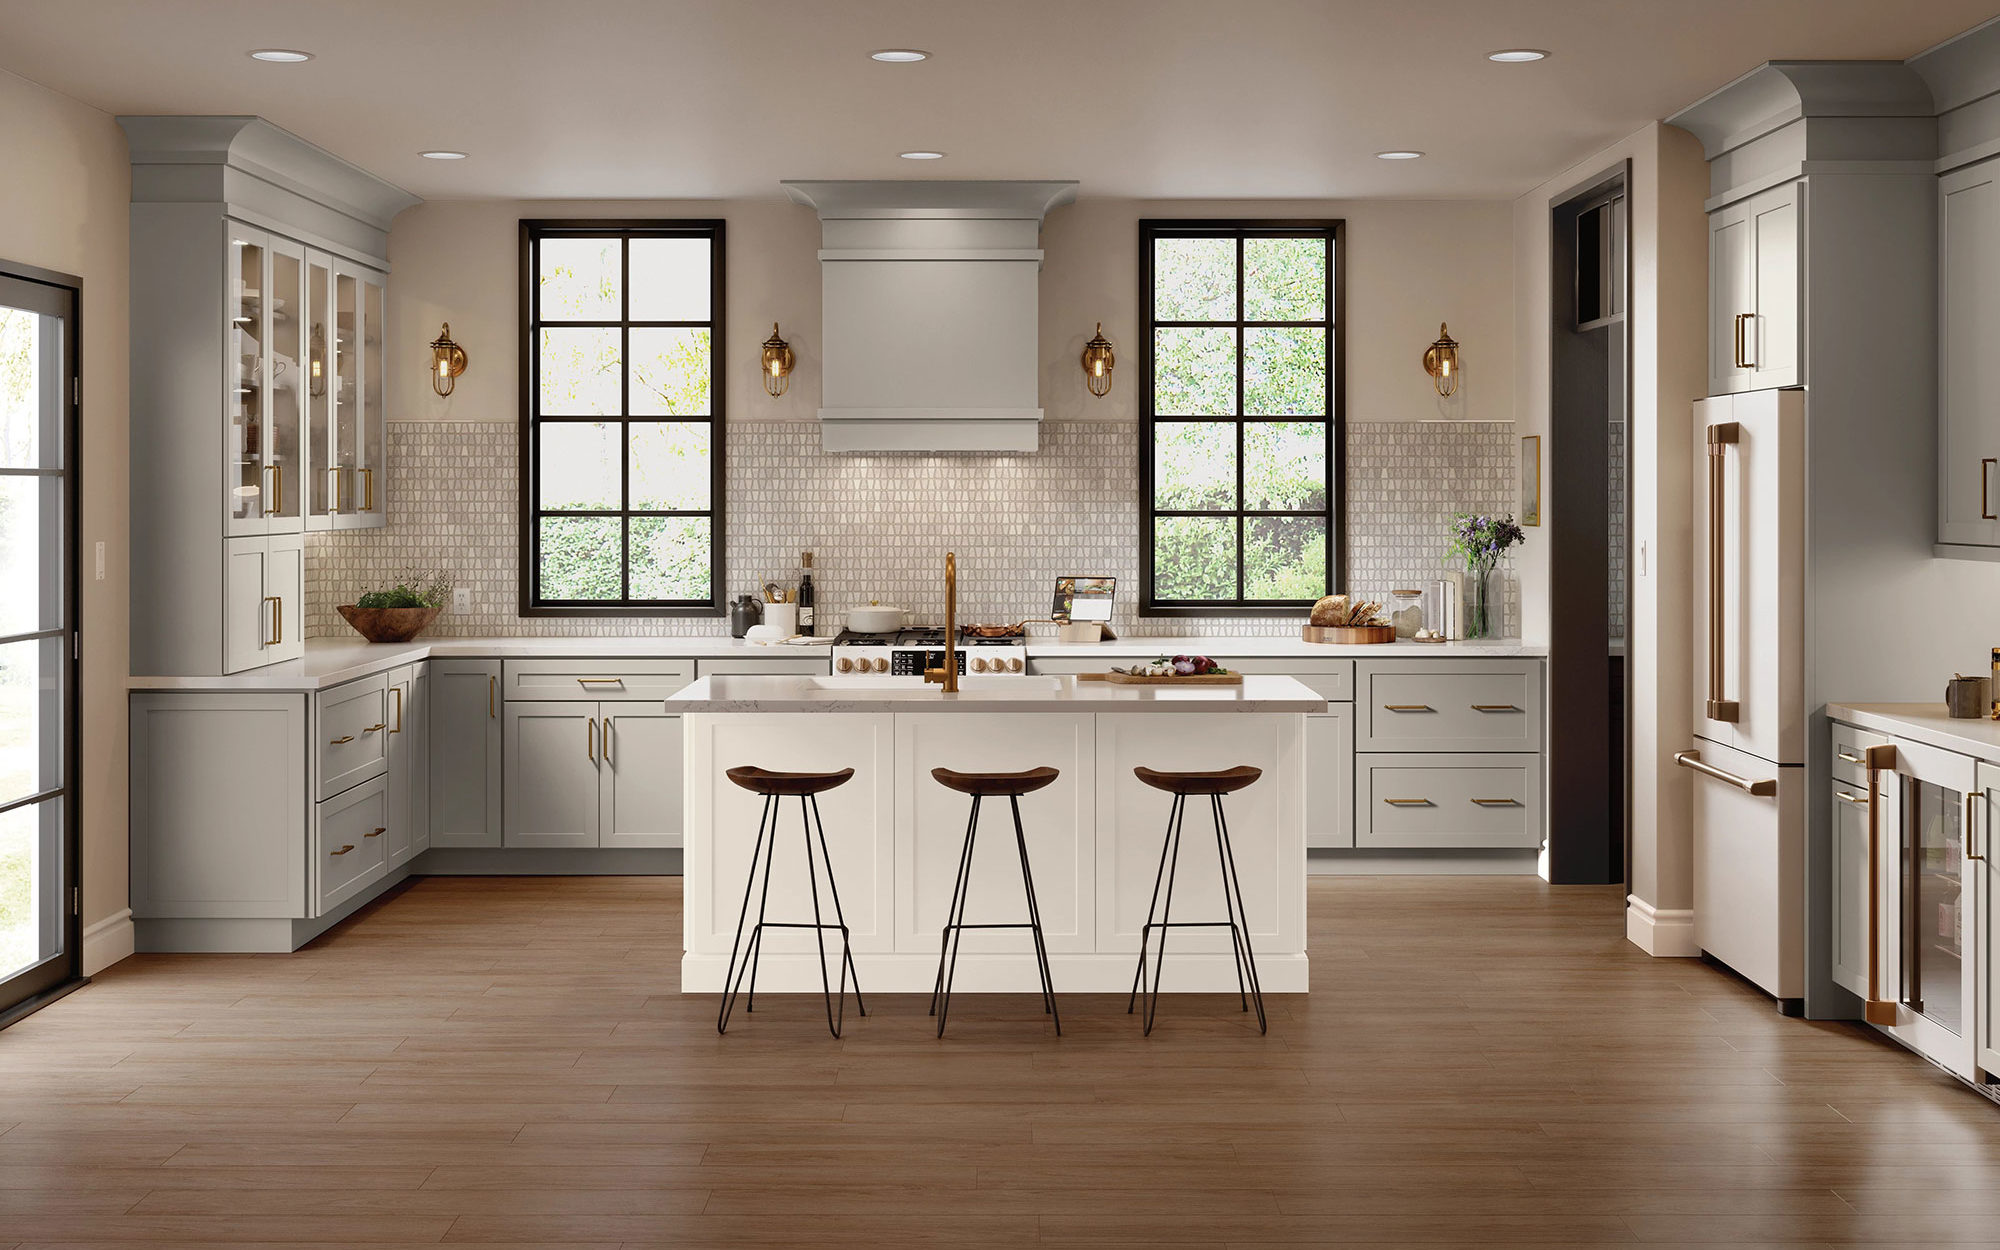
x=875, y=619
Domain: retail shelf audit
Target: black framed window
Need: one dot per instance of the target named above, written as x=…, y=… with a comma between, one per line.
x=1242, y=425
x=621, y=417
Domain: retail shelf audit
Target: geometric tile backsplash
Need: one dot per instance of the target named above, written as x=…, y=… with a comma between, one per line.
x=878, y=525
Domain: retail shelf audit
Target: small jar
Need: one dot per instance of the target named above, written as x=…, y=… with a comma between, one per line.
x=1406, y=612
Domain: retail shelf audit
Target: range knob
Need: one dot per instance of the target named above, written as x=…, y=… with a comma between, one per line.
x=844, y=665
x=979, y=666
x=881, y=665
x=1013, y=665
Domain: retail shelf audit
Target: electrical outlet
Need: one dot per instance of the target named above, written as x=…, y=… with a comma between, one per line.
x=100, y=562
x=461, y=599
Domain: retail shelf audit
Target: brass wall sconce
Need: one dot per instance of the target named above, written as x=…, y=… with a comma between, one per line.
x=447, y=362
x=1441, y=362
x=1098, y=362
x=777, y=364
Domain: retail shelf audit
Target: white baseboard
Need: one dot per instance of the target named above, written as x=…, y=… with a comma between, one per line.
x=108, y=941
x=1663, y=932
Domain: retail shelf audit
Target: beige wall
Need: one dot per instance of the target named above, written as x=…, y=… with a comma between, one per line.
x=1667, y=307
x=63, y=206
x=1411, y=264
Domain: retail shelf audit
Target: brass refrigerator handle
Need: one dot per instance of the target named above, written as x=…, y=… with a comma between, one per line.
x=1692, y=761
x=1721, y=437
x=1876, y=1010
x=1986, y=512
x=398, y=692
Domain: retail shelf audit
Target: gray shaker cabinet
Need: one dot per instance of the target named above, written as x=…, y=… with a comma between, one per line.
x=463, y=710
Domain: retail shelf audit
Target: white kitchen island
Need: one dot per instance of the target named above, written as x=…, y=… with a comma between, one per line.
x=1094, y=836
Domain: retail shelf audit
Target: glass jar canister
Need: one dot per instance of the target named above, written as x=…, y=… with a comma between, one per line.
x=1406, y=612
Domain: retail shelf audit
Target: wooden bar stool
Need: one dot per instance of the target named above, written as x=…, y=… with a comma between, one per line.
x=1010, y=786
x=1212, y=785
x=776, y=787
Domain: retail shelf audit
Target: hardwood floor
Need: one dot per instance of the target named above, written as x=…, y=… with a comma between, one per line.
x=508, y=1061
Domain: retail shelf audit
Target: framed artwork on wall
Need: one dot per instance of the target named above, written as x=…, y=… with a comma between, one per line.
x=1531, y=479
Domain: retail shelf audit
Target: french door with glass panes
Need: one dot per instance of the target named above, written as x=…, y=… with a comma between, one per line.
x=38, y=926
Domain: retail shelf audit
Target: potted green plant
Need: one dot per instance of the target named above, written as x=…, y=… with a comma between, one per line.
x=401, y=612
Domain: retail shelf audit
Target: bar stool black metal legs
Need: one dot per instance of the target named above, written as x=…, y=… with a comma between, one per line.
x=1011, y=786
x=1211, y=785
x=775, y=788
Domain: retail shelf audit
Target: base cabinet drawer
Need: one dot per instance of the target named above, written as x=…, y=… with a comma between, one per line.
x=594, y=680
x=1456, y=801
x=349, y=849
x=353, y=722
x=1405, y=705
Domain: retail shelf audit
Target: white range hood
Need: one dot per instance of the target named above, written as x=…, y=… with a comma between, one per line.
x=930, y=294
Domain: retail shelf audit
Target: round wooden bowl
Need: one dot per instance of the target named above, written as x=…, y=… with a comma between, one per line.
x=388, y=624
x=1349, y=635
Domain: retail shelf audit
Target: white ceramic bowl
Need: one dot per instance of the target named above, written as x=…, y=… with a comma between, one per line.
x=765, y=633
x=874, y=620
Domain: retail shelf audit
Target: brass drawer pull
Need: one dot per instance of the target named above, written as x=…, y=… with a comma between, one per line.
x=1846, y=797
x=1494, y=707
x=1498, y=802
x=342, y=740
x=1986, y=512
x=1409, y=802
x=345, y=849
x=1408, y=707
x=1848, y=757
x=376, y=728
x=378, y=832
x=600, y=681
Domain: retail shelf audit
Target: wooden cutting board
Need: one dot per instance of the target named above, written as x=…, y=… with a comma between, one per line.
x=1127, y=679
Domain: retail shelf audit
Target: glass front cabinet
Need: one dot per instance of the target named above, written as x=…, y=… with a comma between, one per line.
x=349, y=487
x=1985, y=884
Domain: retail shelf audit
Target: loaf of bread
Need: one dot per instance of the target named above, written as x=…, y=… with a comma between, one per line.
x=1330, y=611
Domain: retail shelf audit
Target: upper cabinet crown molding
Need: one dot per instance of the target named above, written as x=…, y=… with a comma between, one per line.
x=930, y=199
x=261, y=170
x=1778, y=93
x=1964, y=68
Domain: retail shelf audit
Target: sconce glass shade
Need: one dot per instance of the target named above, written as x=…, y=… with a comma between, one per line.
x=316, y=361
x=447, y=362
x=1098, y=362
x=1441, y=362
x=777, y=364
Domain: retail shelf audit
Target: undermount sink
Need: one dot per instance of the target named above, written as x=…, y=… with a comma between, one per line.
x=989, y=681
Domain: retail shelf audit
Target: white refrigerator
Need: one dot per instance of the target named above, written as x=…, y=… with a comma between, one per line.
x=1748, y=752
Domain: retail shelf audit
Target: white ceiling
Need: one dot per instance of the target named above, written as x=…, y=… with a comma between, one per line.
x=1156, y=98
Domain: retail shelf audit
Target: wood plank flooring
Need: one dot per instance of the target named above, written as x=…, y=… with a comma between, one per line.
x=508, y=1061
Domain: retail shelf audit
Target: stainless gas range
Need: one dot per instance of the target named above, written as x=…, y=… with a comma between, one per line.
x=908, y=652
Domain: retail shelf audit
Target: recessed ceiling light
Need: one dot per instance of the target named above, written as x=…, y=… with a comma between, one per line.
x=1397, y=156
x=921, y=156
x=442, y=154
x=1515, y=56
x=287, y=56
x=899, y=56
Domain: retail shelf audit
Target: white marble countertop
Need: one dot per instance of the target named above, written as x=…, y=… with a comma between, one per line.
x=1926, y=723
x=731, y=694
x=331, y=661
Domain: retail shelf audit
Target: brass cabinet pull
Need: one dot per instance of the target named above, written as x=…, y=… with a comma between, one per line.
x=345, y=849
x=600, y=681
x=342, y=740
x=333, y=489
x=1494, y=707
x=1848, y=757
x=368, y=491
x=281, y=618
x=1986, y=512
x=277, y=606
x=1498, y=802
x=398, y=692
x=1876, y=1009
x=1744, y=329
x=1971, y=815
x=1409, y=802
x=1408, y=707
x=1691, y=760
x=376, y=728
x=590, y=737
x=607, y=739
x=377, y=832
x=1720, y=438
x=1846, y=796
x=492, y=689
x=277, y=490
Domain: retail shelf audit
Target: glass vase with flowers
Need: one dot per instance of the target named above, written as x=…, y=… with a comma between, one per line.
x=1480, y=540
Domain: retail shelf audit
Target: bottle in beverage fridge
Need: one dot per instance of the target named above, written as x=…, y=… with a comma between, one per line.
x=806, y=594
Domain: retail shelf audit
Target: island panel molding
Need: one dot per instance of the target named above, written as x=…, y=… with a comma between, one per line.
x=876, y=523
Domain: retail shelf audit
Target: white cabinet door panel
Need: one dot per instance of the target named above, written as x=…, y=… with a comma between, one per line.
x=1730, y=260
x=1774, y=331
x=1969, y=368
x=247, y=612
x=285, y=583
x=550, y=762
x=463, y=725
x=639, y=786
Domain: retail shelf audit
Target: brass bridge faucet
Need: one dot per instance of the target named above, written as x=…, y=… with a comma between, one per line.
x=948, y=675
